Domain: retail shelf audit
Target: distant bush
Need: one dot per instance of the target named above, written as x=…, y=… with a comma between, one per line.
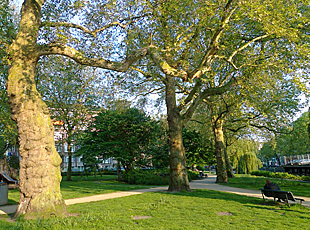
x=152, y=176
x=192, y=175
x=146, y=177
x=109, y=172
x=305, y=178
x=280, y=175
x=13, y=162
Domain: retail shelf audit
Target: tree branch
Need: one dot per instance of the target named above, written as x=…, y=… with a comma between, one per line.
x=164, y=66
x=94, y=32
x=205, y=63
x=148, y=74
x=151, y=92
x=237, y=129
x=245, y=46
x=80, y=58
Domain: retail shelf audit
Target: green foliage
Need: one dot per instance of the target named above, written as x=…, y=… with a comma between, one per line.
x=152, y=176
x=280, y=175
x=268, y=150
x=126, y=135
x=243, y=156
x=146, y=177
x=295, y=142
x=192, y=175
x=13, y=162
x=199, y=151
x=8, y=129
x=7, y=34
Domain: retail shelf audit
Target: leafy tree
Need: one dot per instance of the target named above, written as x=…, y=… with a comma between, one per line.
x=267, y=152
x=237, y=113
x=199, y=151
x=125, y=135
x=72, y=93
x=243, y=154
x=194, y=57
x=45, y=30
x=294, y=142
x=8, y=129
x=158, y=150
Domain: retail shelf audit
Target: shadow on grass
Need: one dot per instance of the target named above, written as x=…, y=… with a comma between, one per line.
x=244, y=200
x=298, y=188
x=81, y=187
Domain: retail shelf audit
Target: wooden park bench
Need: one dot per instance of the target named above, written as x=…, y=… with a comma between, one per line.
x=8, y=180
x=279, y=194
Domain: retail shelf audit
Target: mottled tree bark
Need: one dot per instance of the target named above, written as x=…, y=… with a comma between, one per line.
x=178, y=173
x=221, y=172
x=39, y=177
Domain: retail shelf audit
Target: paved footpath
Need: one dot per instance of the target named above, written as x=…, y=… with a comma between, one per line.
x=207, y=183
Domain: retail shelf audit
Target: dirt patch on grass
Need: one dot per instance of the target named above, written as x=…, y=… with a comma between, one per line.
x=74, y=214
x=224, y=214
x=141, y=217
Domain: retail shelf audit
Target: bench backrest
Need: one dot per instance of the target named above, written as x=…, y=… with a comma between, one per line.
x=278, y=194
x=5, y=177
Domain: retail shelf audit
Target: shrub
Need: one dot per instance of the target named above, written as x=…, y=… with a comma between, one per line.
x=13, y=162
x=280, y=175
x=192, y=175
x=152, y=176
x=146, y=177
x=305, y=178
x=109, y=172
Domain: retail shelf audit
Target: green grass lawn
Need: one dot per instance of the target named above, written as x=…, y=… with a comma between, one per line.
x=86, y=186
x=201, y=209
x=298, y=188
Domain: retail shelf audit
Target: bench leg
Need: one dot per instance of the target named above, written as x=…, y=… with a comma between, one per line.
x=263, y=197
x=287, y=200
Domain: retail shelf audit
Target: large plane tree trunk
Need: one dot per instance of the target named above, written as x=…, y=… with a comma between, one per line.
x=40, y=163
x=178, y=173
x=219, y=150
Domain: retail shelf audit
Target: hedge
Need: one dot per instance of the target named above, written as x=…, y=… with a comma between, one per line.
x=280, y=175
x=152, y=176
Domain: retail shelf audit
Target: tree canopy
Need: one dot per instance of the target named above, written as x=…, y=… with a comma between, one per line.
x=126, y=135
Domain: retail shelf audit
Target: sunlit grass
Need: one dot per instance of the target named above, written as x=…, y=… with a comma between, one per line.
x=86, y=186
x=298, y=188
x=201, y=209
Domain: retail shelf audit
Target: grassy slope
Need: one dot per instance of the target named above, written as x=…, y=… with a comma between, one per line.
x=200, y=209
x=298, y=188
x=86, y=186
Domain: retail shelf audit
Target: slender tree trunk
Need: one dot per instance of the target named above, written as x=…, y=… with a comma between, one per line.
x=69, y=171
x=219, y=150
x=118, y=170
x=229, y=168
x=39, y=176
x=178, y=173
